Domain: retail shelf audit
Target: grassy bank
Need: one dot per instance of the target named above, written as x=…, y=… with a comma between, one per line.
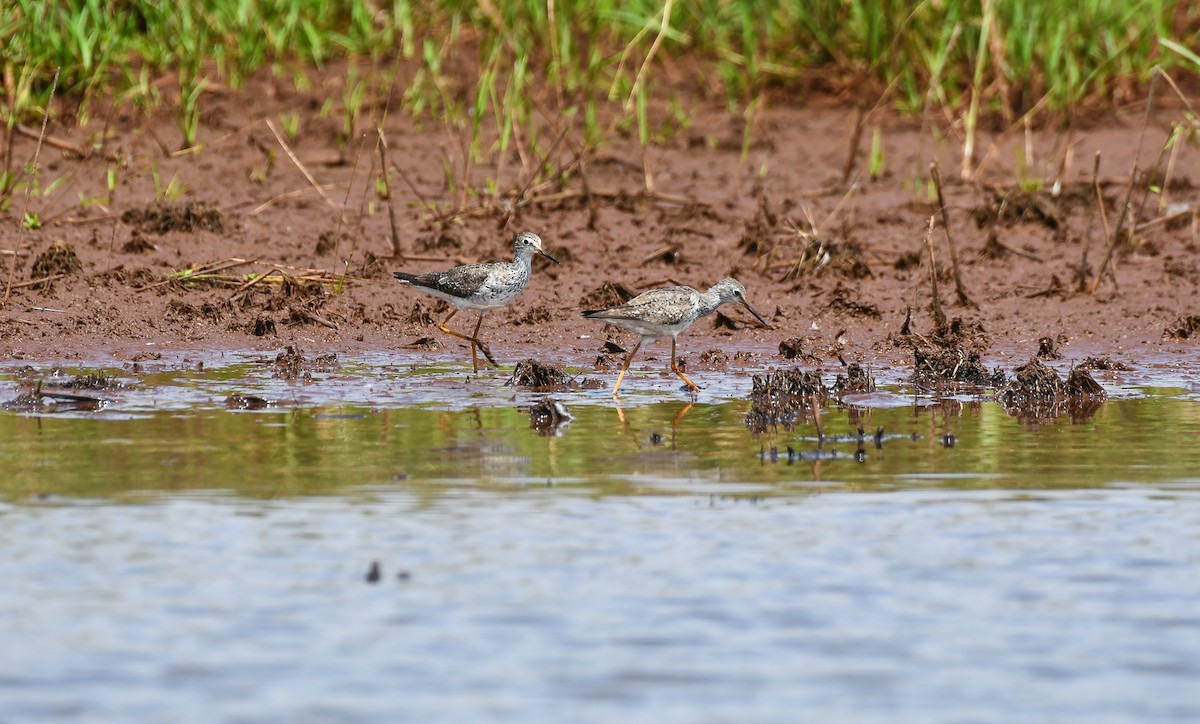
x=496, y=64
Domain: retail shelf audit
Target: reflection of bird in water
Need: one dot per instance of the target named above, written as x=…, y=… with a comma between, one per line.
x=667, y=312
x=482, y=287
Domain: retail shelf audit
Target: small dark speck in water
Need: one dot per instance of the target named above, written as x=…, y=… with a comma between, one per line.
x=656, y=439
x=949, y=440
x=403, y=576
x=400, y=476
x=373, y=573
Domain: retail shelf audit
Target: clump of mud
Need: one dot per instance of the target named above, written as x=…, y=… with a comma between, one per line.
x=162, y=218
x=840, y=299
x=536, y=315
x=60, y=258
x=291, y=364
x=714, y=358
x=1183, y=328
x=1047, y=349
x=1037, y=394
x=88, y=381
x=951, y=354
x=856, y=381
x=792, y=349
x=1018, y=207
x=1104, y=364
x=783, y=398
x=549, y=416
x=535, y=375
x=608, y=294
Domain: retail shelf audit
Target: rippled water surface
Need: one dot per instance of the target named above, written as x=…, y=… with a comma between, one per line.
x=168, y=558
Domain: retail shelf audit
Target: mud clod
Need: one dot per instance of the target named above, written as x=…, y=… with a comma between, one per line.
x=60, y=258
x=262, y=326
x=714, y=358
x=138, y=244
x=1018, y=207
x=291, y=364
x=1105, y=364
x=1037, y=394
x=1047, y=349
x=1183, y=328
x=163, y=218
x=536, y=315
x=782, y=398
x=608, y=294
x=856, y=381
x=535, y=375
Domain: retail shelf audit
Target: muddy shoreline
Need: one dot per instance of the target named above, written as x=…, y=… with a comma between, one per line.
x=165, y=269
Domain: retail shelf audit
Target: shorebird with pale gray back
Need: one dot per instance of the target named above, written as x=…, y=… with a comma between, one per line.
x=667, y=312
x=481, y=287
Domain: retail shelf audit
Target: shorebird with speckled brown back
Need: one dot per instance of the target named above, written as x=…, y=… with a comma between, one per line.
x=481, y=287
x=667, y=312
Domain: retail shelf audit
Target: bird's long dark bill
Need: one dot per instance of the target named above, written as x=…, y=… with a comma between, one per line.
x=548, y=256
x=756, y=314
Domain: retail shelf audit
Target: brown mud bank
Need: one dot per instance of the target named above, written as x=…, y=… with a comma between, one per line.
x=257, y=241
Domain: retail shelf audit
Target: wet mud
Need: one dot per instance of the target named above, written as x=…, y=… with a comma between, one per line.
x=243, y=253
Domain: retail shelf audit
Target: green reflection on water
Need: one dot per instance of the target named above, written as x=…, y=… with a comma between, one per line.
x=321, y=450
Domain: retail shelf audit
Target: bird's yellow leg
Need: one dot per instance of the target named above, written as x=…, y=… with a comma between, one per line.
x=475, y=342
x=442, y=326
x=676, y=370
x=625, y=367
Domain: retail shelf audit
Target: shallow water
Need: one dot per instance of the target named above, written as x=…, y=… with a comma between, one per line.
x=168, y=558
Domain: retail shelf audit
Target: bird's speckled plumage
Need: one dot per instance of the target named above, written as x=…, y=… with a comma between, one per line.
x=481, y=287
x=668, y=312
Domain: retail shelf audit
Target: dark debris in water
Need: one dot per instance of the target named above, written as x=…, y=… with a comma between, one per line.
x=782, y=398
x=1037, y=394
x=238, y=401
x=40, y=400
x=1047, y=349
x=88, y=381
x=1105, y=364
x=856, y=381
x=792, y=349
x=291, y=364
x=542, y=377
x=549, y=416
x=952, y=354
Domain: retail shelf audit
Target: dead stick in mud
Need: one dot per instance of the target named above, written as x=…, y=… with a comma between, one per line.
x=286, y=195
x=397, y=248
x=963, y=299
x=12, y=265
x=532, y=176
x=1103, y=213
x=855, y=140
x=52, y=141
x=1133, y=173
x=939, y=316
x=320, y=189
x=35, y=282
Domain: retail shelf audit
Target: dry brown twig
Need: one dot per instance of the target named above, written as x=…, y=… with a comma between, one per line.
x=1133, y=173
x=963, y=299
x=12, y=266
